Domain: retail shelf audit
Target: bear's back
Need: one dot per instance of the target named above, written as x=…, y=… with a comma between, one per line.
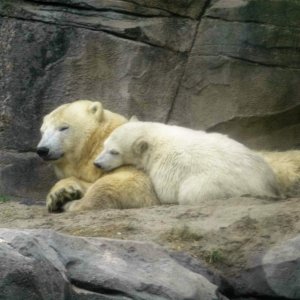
x=181, y=154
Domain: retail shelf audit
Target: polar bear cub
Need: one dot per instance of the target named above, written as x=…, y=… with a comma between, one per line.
x=187, y=166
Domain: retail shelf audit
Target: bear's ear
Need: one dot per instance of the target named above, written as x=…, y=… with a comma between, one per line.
x=140, y=146
x=134, y=119
x=97, y=110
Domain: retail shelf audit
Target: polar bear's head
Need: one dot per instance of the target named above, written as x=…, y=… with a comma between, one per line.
x=66, y=129
x=126, y=145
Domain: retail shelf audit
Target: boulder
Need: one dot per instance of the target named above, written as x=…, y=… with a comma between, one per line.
x=42, y=264
x=277, y=275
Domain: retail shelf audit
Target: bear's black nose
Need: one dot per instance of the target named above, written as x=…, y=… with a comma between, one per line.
x=98, y=165
x=42, y=151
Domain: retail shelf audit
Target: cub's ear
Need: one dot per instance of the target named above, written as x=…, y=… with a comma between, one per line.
x=134, y=119
x=140, y=146
x=97, y=110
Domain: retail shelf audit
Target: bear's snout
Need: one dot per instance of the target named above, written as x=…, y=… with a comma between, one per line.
x=98, y=165
x=42, y=151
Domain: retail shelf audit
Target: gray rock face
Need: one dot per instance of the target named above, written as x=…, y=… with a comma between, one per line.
x=277, y=275
x=42, y=264
x=225, y=65
x=24, y=173
x=242, y=75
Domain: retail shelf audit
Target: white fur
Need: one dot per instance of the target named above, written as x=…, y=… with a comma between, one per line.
x=187, y=166
x=52, y=139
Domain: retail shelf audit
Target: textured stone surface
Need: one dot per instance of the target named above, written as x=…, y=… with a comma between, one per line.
x=61, y=65
x=223, y=65
x=184, y=8
x=243, y=75
x=252, y=245
x=47, y=265
x=18, y=172
x=277, y=274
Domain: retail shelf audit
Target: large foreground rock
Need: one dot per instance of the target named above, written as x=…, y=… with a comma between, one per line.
x=276, y=274
x=42, y=264
x=252, y=243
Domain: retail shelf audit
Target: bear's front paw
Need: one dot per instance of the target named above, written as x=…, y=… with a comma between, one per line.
x=58, y=197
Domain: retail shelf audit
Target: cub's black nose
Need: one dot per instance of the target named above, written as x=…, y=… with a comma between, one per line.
x=42, y=151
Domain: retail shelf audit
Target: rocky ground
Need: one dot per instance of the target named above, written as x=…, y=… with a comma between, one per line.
x=229, y=236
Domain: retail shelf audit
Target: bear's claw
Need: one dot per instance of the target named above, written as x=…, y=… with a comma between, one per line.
x=57, y=198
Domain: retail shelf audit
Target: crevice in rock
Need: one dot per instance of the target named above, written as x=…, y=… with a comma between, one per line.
x=202, y=13
x=250, y=22
x=261, y=63
x=290, y=117
x=86, y=7
x=125, y=37
x=206, y=5
x=161, y=9
x=172, y=104
x=247, y=60
x=250, y=61
x=268, y=48
x=97, y=289
x=108, y=32
x=79, y=291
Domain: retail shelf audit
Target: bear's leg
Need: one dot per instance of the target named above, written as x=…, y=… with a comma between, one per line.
x=286, y=166
x=123, y=188
x=65, y=190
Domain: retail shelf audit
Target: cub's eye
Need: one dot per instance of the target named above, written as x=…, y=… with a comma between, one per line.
x=114, y=152
x=63, y=128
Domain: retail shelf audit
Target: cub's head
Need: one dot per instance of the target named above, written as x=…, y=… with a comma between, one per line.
x=127, y=145
x=66, y=129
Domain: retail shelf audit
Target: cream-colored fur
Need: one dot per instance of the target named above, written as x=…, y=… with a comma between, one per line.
x=187, y=166
x=74, y=134
x=79, y=179
x=286, y=166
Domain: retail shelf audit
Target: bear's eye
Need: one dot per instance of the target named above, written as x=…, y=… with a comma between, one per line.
x=114, y=152
x=63, y=128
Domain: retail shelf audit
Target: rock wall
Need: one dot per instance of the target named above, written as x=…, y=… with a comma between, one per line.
x=231, y=66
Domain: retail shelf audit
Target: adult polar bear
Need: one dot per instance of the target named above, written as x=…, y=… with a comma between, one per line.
x=72, y=136
x=187, y=166
x=72, y=151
